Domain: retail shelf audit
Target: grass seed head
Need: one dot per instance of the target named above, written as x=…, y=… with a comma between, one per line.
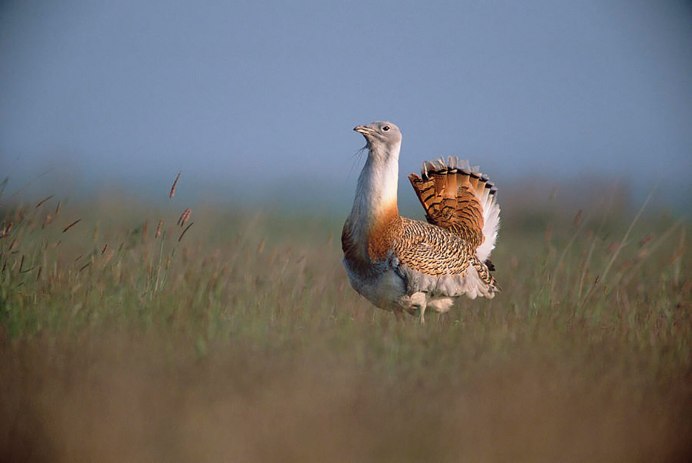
x=159, y=229
x=171, y=193
x=184, y=217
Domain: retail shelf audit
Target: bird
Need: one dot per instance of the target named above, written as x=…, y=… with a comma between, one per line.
x=408, y=266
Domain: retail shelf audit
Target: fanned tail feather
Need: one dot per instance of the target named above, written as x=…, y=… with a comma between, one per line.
x=459, y=198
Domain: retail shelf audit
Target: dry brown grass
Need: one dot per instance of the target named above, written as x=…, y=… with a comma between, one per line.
x=124, y=399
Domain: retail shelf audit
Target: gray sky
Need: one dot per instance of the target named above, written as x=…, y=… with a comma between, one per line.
x=265, y=94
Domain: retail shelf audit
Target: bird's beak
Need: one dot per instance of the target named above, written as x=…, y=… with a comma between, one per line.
x=362, y=129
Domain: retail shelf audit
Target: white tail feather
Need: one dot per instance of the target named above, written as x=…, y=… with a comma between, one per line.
x=491, y=225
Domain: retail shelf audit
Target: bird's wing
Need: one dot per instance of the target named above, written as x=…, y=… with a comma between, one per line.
x=461, y=200
x=432, y=259
x=431, y=250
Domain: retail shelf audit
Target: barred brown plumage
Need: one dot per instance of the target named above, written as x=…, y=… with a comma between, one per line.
x=401, y=264
x=430, y=249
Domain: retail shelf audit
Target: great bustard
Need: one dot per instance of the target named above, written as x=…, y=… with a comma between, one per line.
x=401, y=264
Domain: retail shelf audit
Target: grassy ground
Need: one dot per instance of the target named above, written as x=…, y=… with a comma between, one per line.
x=242, y=341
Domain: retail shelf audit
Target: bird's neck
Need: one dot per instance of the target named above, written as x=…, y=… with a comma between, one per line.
x=375, y=206
x=376, y=192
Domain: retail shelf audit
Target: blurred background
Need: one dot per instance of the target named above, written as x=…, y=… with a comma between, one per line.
x=255, y=100
x=125, y=337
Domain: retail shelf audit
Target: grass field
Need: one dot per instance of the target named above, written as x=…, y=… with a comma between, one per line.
x=242, y=341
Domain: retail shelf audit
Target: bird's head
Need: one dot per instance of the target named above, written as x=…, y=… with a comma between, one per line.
x=382, y=136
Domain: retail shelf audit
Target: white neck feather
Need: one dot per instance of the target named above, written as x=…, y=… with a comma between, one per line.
x=376, y=192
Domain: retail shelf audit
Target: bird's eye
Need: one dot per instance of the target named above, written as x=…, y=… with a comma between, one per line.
x=385, y=128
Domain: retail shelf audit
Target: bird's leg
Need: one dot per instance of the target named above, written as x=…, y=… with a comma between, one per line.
x=420, y=301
